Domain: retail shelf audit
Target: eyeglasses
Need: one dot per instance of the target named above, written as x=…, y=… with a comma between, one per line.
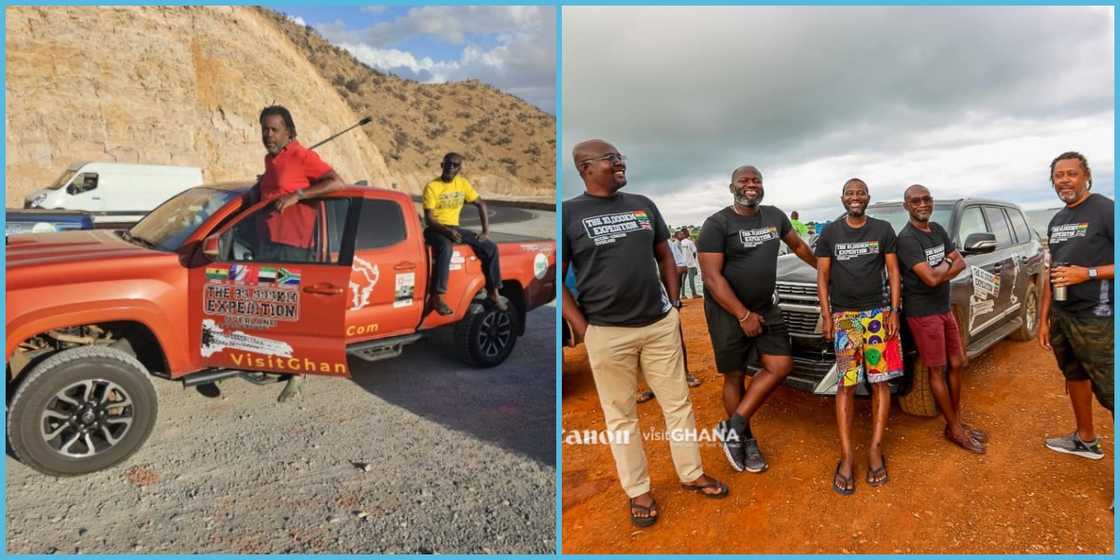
x=927, y=199
x=613, y=158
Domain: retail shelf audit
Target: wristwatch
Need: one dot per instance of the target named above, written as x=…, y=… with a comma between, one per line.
x=1092, y=274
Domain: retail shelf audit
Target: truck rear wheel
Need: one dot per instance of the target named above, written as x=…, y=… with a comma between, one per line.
x=919, y=401
x=485, y=337
x=82, y=410
x=1029, y=329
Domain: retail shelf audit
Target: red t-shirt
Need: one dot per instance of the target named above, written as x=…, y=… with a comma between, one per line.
x=293, y=169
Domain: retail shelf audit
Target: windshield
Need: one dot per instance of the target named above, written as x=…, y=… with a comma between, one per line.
x=167, y=226
x=63, y=179
x=898, y=216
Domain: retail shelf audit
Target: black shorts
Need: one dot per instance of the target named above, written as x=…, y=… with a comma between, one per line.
x=733, y=349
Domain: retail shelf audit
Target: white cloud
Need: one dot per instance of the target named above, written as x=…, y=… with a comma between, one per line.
x=297, y=20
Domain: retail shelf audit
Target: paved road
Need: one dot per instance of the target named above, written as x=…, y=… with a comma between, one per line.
x=461, y=460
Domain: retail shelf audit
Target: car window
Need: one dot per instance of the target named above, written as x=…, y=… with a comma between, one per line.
x=381, y=225
x=972, y=221
x=997, y=221
x=310, y=231
x=1019, y=224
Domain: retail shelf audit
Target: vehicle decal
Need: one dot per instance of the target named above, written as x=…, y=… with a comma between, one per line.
x=405, y=284
x=985, y=291
x=217, y=273
x=354, y=330
x=255, y=306
x=540, y=266
x=361, y=291
x=293, y=363
x=1014, y=279
x=457, y=261
x=215, y=339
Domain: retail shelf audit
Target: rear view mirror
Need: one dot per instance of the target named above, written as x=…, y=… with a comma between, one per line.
x=979, y=243
x=211, y=246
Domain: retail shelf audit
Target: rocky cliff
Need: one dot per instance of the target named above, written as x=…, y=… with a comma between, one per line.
x=184, y=86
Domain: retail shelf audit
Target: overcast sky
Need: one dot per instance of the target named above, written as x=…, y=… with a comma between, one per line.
x=510, y=47
x=969, y=101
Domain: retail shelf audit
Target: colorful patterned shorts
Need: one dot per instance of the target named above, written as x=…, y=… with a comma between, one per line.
x=862, y=349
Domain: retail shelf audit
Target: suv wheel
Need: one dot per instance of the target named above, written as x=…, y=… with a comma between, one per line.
x=1029, y=329
x=82, y=410
x=485, y=337
x=919, y=401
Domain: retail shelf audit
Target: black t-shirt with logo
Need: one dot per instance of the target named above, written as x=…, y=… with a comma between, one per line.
x=1082, y=236
x=916, y=246
x=610, y=241
x=750, y=251
x=857, y=280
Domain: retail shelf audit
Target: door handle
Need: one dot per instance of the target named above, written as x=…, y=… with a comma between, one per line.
x=404, y=266
x=324, y=289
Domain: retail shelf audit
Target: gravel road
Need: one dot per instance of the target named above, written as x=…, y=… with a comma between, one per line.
x=459, y=460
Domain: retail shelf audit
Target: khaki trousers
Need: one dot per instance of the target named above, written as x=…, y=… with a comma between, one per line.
x=617, y=355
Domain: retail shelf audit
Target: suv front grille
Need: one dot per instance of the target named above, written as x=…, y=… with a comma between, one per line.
x=800, y=308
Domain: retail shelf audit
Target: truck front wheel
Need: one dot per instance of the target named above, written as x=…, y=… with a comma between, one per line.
x=919, y=401
x=485, y=337
x=82, y=410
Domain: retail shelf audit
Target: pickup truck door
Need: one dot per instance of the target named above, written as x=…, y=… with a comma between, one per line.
x=1008, y=301
x=985, y=275
x=261, y=306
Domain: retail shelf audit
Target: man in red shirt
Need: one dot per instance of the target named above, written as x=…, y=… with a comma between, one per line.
x=291, y=174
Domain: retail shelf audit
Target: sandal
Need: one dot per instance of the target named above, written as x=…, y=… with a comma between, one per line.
x=650, y=512
x=840, y=482
x=721, y=489
x=645, y=396
x=976, y=433
x=879, y=476
x=692, y=380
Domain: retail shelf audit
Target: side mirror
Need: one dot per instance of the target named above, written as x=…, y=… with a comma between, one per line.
x=979, y=243
x=72, y=189
x=211, y=245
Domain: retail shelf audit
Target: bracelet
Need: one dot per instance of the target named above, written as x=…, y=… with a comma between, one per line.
x=745, y=317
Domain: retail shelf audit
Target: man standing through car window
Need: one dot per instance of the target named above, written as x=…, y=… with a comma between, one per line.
x=1078, y=327
x=929, y=261
x=852, y=255
x=626, y=314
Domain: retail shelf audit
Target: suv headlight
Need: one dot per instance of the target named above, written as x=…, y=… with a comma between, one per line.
x=774, y=298
x=35, y=201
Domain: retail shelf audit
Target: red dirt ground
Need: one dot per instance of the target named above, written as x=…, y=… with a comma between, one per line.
x=1018, y=498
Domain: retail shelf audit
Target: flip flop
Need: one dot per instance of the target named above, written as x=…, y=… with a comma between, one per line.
x=844, y=481
x=722, y=492
x=650, y=511
x=645, y=396
x=692, y=380
x=879, y=476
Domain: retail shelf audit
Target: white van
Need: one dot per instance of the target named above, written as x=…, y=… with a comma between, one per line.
x=114, y=192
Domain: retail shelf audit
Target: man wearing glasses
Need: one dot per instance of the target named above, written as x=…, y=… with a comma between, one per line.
x=626, y=315
x=929, y=261
x=443, y=201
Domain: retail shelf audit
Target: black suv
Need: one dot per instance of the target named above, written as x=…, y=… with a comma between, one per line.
x=995, y=297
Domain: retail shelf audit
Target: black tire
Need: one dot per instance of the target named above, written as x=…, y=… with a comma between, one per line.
x=486, y=336
x=100, y=387
x=1029, y=329
x=919, y=400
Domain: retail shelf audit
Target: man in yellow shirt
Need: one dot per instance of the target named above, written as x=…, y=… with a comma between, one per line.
x=443, y=201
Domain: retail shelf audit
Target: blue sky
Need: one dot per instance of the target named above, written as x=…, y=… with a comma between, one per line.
x=509, y=47
x=967, y=100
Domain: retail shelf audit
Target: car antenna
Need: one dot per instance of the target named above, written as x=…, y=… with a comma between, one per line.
x=365, y=120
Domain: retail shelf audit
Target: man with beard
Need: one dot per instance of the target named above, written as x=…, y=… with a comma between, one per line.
x=738, y=252
x=626, y=316
x=929, y=261
x=1078, y=328
x=852, y=254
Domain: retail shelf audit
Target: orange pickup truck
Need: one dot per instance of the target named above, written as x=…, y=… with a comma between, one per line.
x=186, y=295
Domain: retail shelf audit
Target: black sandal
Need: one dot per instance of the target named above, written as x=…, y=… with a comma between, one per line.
x=645, y=396
x=879, y=476
x=650, y=511
x=722, y=489
x=844, y=481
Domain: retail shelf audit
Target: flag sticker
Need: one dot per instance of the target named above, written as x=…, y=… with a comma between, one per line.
x=216, y=273
x=266, y=274
x=288, y=277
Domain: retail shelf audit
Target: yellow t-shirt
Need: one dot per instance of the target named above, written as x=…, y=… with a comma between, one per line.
x=446, y=200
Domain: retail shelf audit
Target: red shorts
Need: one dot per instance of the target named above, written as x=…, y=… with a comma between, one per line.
x=936, y=336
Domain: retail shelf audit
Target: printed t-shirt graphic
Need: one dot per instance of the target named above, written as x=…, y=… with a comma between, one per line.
x=858, y=274
x=610, y=243
x=446, y=199
x=1083, y=236
x=293, y=169
x=750, y=246
x=916, y=246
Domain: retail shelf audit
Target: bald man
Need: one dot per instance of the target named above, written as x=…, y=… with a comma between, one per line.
x=739, y=261
x=626, y=314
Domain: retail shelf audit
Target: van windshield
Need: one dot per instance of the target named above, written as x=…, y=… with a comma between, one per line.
x=170, y=223
x=63, y=179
